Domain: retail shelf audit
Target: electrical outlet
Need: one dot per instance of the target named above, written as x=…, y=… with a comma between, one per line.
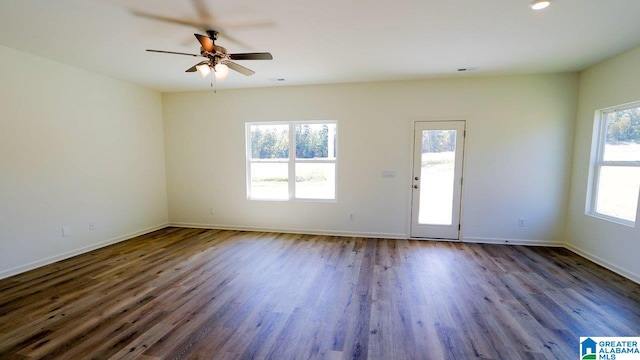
x=211, y=210
x=65, y=231
x=92, y=225
x=352, y=216
x=521, y=222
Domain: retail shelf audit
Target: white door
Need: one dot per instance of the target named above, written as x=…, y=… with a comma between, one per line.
x=437, y=179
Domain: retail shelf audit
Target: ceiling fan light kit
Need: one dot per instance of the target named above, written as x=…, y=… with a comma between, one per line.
x=540, y=4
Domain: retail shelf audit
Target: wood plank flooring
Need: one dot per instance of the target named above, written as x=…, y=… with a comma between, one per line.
x=211, y=294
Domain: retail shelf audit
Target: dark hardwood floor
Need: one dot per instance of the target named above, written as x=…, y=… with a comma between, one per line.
x=209, y=294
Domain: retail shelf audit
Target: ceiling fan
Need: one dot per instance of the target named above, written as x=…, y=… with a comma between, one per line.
x=218, y=60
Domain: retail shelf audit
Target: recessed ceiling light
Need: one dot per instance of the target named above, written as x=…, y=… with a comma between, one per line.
x=540, y=4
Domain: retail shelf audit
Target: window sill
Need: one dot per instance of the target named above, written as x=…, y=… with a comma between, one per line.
x=295, y=200
x=614, y=220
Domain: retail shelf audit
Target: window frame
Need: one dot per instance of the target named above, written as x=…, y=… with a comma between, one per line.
x=598, y=162
x=291, y=161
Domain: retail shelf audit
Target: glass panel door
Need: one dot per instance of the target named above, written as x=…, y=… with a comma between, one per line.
x=437, y=179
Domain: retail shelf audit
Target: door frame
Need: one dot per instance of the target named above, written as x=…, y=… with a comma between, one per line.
x=411, y=169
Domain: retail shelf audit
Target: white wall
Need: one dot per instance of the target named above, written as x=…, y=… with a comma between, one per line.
x=74, y=147
x=517, y=162
x=78, y=147
x=613, y=82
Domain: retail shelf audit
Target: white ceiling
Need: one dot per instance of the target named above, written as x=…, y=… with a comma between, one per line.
x=326, y=41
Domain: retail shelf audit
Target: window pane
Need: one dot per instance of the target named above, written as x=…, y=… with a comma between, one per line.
x=618, y=192
x=269, y=181
x=269, y=141
x=316, y=181
x=437, y=176
x=623, y=136
x=315, y=141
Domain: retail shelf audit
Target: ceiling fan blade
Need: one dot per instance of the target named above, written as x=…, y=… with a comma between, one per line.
x=193, y=68
x=172, y=52
x=197, y=25
x=206, y=42
x=229, y=38
x=251, y=56
x=248, y=25
x=201, y=8
x=239, y=68
x=206, y=22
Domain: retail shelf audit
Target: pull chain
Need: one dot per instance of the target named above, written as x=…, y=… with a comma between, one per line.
x=214, y=81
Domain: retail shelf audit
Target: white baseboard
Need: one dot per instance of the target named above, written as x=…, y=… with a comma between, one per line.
x=481, y=240
x=69, y=254
x=604, y=263
x=293, y=231
x=525, y=242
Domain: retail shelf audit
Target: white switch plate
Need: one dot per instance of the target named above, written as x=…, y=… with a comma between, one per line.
x=65, y=231
x=388, y=174
x=92, y=225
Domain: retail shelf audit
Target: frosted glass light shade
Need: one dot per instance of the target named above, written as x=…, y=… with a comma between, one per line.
x=221, y=71
x=203, y=69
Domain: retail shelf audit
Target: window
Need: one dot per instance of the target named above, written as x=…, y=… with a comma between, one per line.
x=615, y=172
x=274, y=174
